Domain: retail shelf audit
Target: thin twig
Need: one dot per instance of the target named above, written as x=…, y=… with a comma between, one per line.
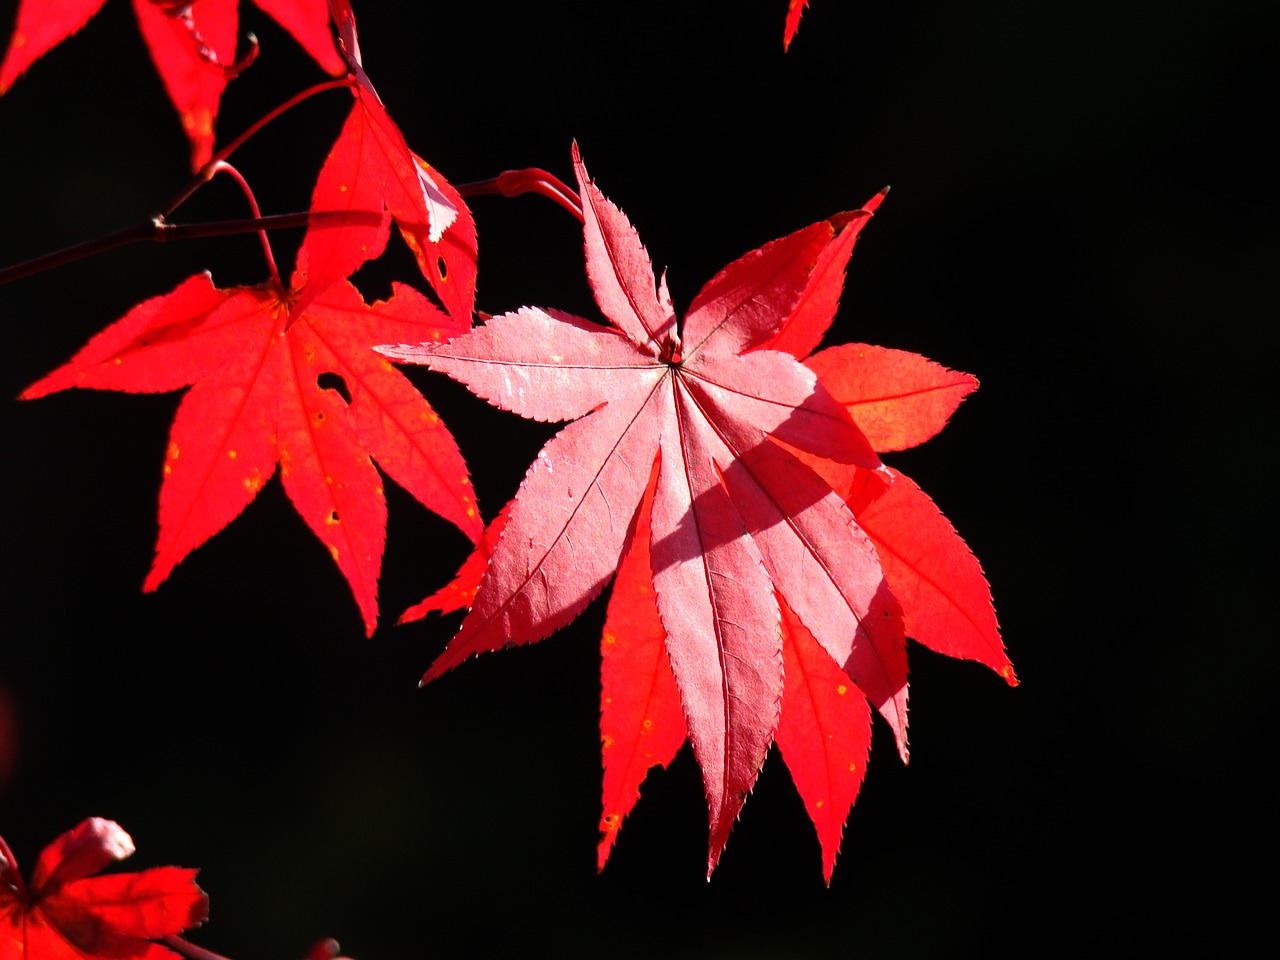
x=157, y=231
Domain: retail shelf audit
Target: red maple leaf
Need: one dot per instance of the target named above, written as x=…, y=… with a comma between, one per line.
x=66, y=914
x=193, y=46
x=795, y=10
x=734, y=516
x=371, y=168
x=823, y=732
x=288, y=377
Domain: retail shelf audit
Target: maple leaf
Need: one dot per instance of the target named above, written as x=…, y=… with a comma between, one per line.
x=371, y=168
x=288, y=377
x=898, y=399
x=193, y=46
x=734, y=516
x=795, y=10
x=67, y=914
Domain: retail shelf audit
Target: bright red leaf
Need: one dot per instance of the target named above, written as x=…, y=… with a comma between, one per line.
x=641, y=720
x=901, y=399
x=193, y=46
x=795, y=10
x=824, y=735
x=734, y=517
x=278, y=380
x=371, y=168
x=67, y=914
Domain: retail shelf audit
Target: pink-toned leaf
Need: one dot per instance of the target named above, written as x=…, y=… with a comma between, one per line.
x=738, y=520
x=620, y=271
x=828, y=570
x=824, y=734
x=564, y=538
x=899, y=399
x=721, y=619
x=544, y=365
x=762, y=393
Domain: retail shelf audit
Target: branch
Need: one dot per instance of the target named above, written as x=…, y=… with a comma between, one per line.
x=158, y=231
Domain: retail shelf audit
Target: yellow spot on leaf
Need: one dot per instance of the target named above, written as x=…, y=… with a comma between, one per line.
x=853, y=768
x=232, y=454
x=117, y=361
x=343, y=188
x=333, y=552
x=818, y=804
x=609, y=639
x=173, y=452
x=842, y=689
x=606, y=742
x=647, y=724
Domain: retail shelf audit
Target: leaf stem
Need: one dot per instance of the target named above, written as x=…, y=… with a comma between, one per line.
x=512, y=183
x=189, y=949
x=157, y=231
x=209, y=169
x=221, y=166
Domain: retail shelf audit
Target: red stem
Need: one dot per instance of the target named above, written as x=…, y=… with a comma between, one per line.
x=189, y=949
x=209, y=169
x=221, y=166
x=512, y=183
x=160, y=232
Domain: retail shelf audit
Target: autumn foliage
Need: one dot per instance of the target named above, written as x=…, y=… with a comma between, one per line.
x=64, y=912
x=720, y=471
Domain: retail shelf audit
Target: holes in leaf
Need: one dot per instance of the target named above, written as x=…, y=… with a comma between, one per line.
x=442, y=268
x=334, y=382
x=333, y=516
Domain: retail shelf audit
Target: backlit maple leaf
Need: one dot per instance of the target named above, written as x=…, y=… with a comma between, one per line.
x=371, y=168
x=67, y=914
x=193, y=46
x=288, y=377
x=795, y=10
x=898, y=399
x=683, y=414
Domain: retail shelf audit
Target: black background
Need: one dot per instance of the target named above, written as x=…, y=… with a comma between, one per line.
x=1083, y=215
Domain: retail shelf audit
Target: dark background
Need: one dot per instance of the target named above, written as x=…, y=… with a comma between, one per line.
x=1083, y=215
